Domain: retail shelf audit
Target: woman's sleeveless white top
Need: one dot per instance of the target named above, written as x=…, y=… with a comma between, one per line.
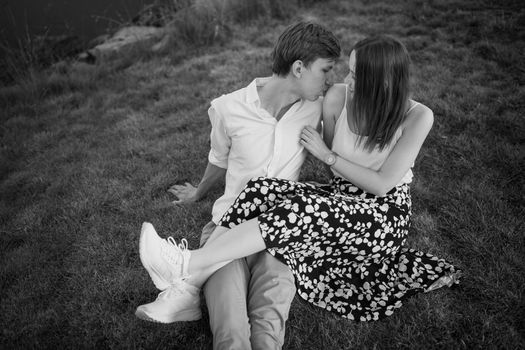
x=345, y=145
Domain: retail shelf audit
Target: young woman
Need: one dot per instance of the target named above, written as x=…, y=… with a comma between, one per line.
x=344, y=241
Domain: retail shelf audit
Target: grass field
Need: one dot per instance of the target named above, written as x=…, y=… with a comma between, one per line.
x=87, y=153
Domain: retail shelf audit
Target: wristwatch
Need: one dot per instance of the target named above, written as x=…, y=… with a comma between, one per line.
x=330, y=158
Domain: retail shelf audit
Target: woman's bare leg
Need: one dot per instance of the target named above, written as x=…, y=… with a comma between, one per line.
x=199, y=279
x=222, y=247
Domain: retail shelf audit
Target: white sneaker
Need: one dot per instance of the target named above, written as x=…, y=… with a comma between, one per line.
x=164, y=260
x=180, y=302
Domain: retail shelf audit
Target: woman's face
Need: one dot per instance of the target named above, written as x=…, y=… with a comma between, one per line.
x=350, y=78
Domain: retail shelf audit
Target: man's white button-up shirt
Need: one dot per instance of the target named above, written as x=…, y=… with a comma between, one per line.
x=249, y=142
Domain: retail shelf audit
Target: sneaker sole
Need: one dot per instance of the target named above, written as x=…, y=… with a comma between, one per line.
x=191, y=315
x=159, y=282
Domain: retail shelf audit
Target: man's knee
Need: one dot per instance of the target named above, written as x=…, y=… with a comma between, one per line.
x=226, y=294
x=271, y=292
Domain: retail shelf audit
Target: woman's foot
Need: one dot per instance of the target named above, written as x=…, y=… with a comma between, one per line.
x=164, y=259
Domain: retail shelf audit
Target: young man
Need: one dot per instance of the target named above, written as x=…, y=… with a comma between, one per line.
x=255, y=132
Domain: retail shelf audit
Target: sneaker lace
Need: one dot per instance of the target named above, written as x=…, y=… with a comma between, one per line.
x=176, y=288
x=173, y=252
x=183, y=245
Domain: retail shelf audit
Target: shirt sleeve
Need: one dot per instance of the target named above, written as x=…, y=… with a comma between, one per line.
x=220, y=142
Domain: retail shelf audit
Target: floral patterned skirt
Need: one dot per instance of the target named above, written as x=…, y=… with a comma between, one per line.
x=344, y=246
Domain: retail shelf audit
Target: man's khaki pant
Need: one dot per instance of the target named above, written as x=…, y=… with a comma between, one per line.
x=248, y=301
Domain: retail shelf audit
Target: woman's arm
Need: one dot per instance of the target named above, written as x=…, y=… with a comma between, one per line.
x=332, y=107
x=379, y=182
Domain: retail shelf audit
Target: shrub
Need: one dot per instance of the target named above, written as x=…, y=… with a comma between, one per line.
x=205, y=22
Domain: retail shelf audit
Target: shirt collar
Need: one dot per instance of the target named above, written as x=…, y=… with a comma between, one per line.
x=252, y=96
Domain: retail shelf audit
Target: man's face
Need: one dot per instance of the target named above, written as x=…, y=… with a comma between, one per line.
x=350, y=78
x=317, y=78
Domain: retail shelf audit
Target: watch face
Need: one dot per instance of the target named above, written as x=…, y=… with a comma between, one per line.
x=330, y=159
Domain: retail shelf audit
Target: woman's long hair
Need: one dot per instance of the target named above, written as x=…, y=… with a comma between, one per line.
x=381, y=90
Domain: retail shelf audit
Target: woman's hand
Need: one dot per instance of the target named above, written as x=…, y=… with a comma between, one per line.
x=312, y=141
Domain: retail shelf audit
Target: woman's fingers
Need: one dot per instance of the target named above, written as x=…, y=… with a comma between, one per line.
x=307, y=130
x=305, y=136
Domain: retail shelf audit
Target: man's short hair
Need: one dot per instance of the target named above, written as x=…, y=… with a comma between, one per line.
x=305, y=41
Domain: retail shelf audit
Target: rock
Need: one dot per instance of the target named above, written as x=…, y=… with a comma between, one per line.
x=87, y=57
x=162, y=44
x=99, y=40
x=127, y=36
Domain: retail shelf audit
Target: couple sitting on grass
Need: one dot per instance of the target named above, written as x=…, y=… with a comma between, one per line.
x=340, y=245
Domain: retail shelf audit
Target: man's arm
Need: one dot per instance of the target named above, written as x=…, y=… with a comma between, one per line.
x=187, y=193
x=215, y=171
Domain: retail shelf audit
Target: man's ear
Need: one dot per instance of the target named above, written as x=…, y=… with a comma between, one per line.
x=297, y=68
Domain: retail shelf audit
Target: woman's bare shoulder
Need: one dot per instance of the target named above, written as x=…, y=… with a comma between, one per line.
x=334, y=100
x=419, y=114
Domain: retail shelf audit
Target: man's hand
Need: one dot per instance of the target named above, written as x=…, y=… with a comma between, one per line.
x=185, y=193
